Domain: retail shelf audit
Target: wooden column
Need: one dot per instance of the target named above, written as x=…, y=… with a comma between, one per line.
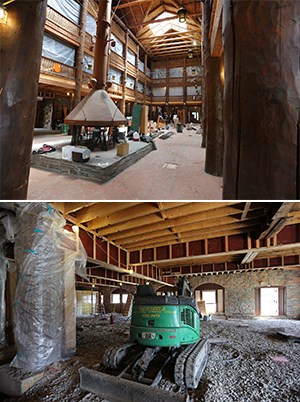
x=124, y=78
x=262, y=92
x=213, y=106
x=80, y=53
x=20, y=47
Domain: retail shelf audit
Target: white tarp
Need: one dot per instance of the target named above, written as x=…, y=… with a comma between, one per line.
x=159, y=91
x=159, y=73
x=68, y=8
x=131, y=57
x=176, y=72
x=88, y=63
x=115, y=75
x=140, y=87
x=195, y=90
x=130, y=82
x=119, y=47
x=91, y=25
x=193, y=71
x=176, y=91
x=141, y=66
x=58, y=51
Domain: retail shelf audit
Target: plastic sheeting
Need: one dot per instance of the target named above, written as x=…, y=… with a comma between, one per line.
x=115, y=75
x=68, y=8
x=159, y=73
x=193, y=91
x=176, y=91
x=58, y=51
x=148, y=90
x=46, y=259
x=176, y=72
x=130, y=82
x=91, y=25
x=148, y=72
x=159, y=91
x=141, y=65
x=3, y=267
x=7, y=233
x=193, y=71
x=131, y=57
x=88, y=63
x=140, y=87
x=119, y=47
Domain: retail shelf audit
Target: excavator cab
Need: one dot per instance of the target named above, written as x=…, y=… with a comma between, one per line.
x=164, y=321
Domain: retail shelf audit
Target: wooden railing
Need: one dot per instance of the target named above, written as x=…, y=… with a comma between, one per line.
x=62, y=22
x=52, y=67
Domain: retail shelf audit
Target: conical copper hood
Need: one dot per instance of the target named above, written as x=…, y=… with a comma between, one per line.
x=97, y=108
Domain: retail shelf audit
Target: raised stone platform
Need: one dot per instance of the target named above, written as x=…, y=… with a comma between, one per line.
x=102, y=166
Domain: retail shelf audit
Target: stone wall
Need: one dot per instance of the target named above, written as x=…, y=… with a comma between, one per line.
x=240, y=290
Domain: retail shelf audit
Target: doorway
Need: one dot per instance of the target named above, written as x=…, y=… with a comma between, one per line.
x=209, y=296
x=269, y=301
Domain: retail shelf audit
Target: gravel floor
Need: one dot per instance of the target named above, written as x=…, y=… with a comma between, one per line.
x=243, y=365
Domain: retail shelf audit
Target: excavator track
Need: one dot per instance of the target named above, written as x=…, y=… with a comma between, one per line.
x=190, y=364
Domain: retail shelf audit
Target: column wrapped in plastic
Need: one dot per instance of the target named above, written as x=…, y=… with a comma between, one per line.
x=2, y=296
x=46, y=256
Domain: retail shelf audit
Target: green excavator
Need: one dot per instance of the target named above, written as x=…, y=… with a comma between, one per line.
x=165, y=357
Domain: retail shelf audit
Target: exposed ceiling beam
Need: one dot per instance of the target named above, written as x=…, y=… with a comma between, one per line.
x=131, y=4
x=263, y=252
x=161, y=20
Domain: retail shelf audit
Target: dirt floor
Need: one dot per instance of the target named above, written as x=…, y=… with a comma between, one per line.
x=250, y=362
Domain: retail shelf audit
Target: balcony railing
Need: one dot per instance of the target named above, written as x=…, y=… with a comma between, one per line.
x=62, y=22
x=52, y=67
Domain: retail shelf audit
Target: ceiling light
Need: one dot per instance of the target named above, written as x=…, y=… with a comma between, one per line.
x=181, y=14
x=194, y=43
x=190, y=54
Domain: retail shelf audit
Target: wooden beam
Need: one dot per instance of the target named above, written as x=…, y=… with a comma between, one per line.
x=263, y=252
x=131, y=4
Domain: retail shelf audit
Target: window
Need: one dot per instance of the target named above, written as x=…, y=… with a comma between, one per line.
x=68, y=8
x=131, y=57
x=140, y=87
x=130, y=82
x=159, y=28
x=159, y=73
x=159, y=91
x=58, y=50
x=87, y=302
x=176, y=91
x=209, y=296
x=115, y=75
x=115, y=298
x=119, y=47
x=88, y=63
x=176, y=72
x=141, y=66
x=91, y=25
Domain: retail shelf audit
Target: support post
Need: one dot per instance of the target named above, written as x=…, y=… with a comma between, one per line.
x=262, y=99
x=80, y=53
x=20, y=68
x=213, y=102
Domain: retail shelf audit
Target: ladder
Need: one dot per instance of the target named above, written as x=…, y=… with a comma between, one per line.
x=128, y=306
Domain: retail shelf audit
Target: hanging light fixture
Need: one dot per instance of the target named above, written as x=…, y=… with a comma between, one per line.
x=181, y=14
x=190, y=54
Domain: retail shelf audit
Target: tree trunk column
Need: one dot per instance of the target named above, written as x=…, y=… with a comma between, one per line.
x=20, y=68
x=213, y=137
x=262, y=92
x=80, y=53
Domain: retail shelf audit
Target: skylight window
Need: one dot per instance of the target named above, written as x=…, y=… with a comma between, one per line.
x=159, y=28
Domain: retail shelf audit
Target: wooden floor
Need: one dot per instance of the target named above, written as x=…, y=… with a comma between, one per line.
x=175, y=171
